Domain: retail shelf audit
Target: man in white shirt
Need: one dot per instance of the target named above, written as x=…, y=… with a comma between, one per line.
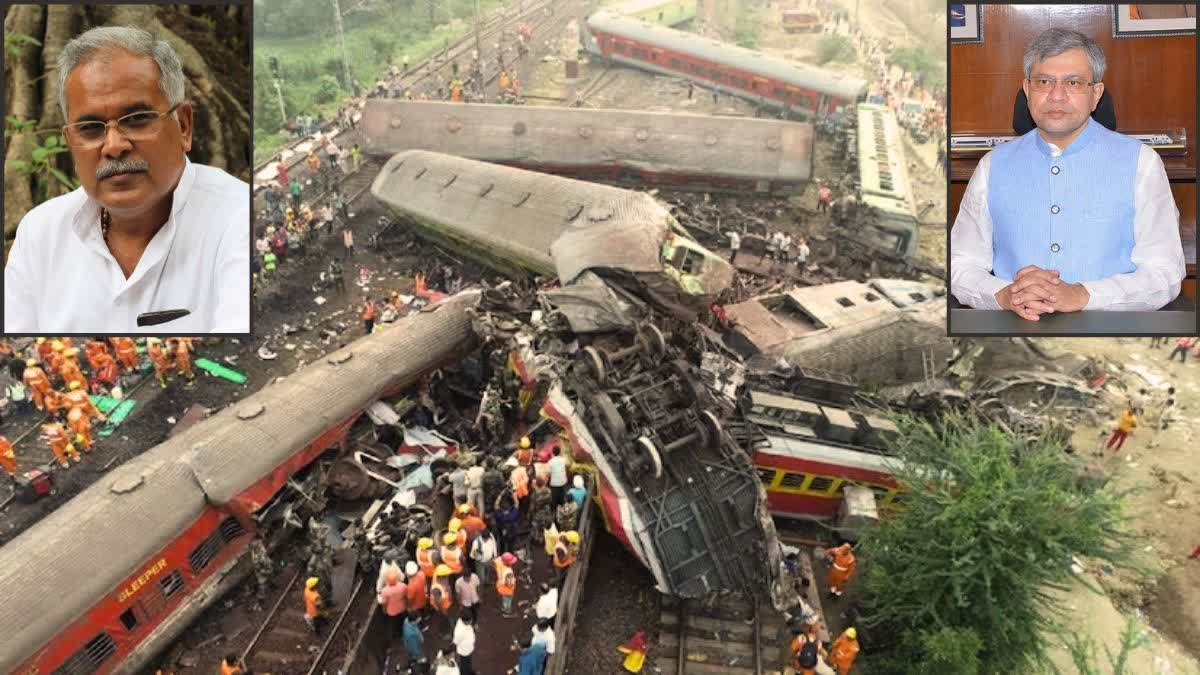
x=547, y=603
x=148, y=231
x=1070, y=216
x=464, y=642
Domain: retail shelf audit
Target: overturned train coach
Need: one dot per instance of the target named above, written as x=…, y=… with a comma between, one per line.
x=110, y=578
x=778, y=83
x=669, y=150
x=519, y=221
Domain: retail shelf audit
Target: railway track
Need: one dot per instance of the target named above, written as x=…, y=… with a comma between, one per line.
x=424, y=71
x=731, y=636
x=283, y=643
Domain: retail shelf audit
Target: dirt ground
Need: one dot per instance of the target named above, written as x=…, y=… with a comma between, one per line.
x=1165, y=509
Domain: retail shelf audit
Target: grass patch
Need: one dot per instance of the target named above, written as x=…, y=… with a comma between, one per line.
x=313, y=79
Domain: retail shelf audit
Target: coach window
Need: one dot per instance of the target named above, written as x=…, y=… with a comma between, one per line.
x=89, y=658
x=793, y=481
x=767, y=476
x=677, y=64
x=640, y=54
x=203, y=554
x=128, y=619
x=822, y=484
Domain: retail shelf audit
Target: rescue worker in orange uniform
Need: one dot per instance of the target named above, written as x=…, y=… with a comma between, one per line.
x=416, y=587
x=93, y=349
x=56, y=405
x=506, y=581
x=55, y=360
x=60, y=444
x=230, y=665
x=183, y=359
x=314, y=609
x=843, y=568
x=76, y=397
x=162, y=364
x=451, y=553
x=455, y=527
x=8, y=458
x=525, y=452
x=104, y=369
x=70, y=366
x=456, y=91
x=42, y=346
x=127, y=353
x=35, y=378
x=844, y=651
x=806, y=652
x=426, y=556
x=565, y=552
x=439, y=590
x=81, y=426
x=368, y=317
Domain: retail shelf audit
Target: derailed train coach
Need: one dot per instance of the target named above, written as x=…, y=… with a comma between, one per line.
x=109, y=579
x=521, y=222
x=796, y=88
x=624, y=147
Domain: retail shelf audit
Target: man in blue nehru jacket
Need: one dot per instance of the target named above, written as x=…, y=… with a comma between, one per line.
x=1069, y=216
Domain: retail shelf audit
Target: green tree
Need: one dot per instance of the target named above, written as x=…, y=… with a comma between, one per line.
x=327, y=90
x=988, y=529
x=834, y=48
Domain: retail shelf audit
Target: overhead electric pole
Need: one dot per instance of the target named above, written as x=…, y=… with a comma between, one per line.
x=337, y=20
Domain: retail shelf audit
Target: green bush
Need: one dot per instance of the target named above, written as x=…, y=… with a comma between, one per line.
x=327, y=89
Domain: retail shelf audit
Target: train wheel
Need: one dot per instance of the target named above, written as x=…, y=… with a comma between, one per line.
x=610, y=418
x=594, y=362
x=650, y=451
x=652, y=340
x=712, y=428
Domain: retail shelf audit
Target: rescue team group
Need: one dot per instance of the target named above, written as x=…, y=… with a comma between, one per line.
x=50, y=378
x=439, y=583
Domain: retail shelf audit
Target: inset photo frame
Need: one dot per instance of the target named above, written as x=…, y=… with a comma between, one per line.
x=966, y=23
x=1149, y=20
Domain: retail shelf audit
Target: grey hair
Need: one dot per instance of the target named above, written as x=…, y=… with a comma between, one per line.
x=1055, y=41
x=91, y=44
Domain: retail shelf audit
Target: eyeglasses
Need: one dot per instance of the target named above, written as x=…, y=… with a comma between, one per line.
x=138, y=126
x=1072, y=86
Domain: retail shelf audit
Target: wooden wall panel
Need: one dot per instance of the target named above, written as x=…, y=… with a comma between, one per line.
x=1152, y=79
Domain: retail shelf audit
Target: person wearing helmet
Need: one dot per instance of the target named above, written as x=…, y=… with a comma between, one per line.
x=426, y=556
x=314, y=609
x=76, y=397
x=162, y=364
x=60, y=443
x=55, y=360
x=42, y=347
x=564, y=556
x=439, y=590
x=525, y=452
x=69, y=368
x=416, y=588
x=844, y=651
x=578, y=491
x=506, y=581
x=451, y=552
x=80, y=425
x=35, y=378
x=127, y=353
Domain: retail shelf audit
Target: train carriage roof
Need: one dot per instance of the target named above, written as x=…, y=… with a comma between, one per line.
x=883, y=172
x=58, y=569
x=800, y=75
x=62, y=566
x=664, y=142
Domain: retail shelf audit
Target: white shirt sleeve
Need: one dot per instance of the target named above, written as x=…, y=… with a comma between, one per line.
x=233, y=278
x=1157, y=249
x=21, y=277
x=971, y=278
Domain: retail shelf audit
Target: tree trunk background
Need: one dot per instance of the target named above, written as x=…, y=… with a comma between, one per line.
x=213, y=43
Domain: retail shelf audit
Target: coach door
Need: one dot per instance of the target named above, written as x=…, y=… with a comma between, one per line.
x=761, y=87
x=823, y=106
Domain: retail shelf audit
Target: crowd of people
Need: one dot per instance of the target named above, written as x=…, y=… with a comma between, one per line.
x=502, y=509
x=50, y=377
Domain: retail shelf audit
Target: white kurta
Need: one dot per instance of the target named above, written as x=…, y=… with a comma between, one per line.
x=61, y=277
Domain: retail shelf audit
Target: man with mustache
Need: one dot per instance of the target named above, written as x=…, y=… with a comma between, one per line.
x=1070, y=216
x=148, y=231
